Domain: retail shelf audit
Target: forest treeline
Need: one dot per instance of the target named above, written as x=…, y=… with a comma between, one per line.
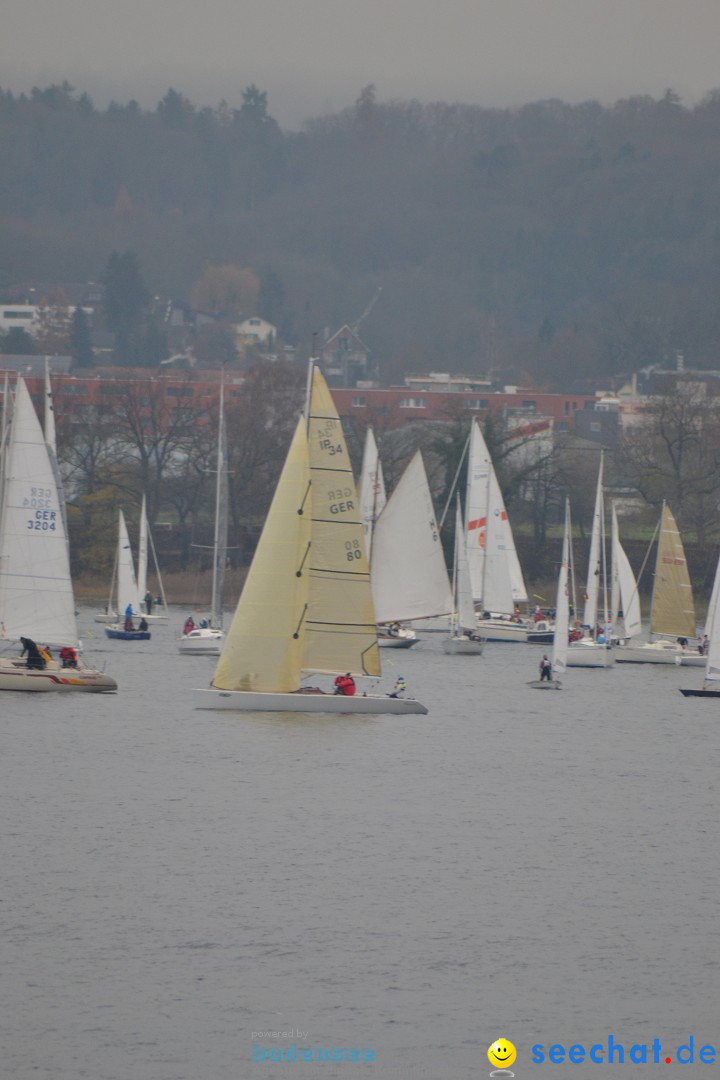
x=546, y=243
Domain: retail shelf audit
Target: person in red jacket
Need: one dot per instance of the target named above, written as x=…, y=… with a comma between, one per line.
x=345, y=684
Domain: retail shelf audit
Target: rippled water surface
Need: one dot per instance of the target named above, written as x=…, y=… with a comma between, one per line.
x=541, y=866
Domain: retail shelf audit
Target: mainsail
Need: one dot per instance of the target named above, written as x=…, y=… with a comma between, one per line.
x=264, y=645
x=673, y=609
x=372, y=489
x=36, y=596
x=495, y=573
x=408, y=572
x=341, y=630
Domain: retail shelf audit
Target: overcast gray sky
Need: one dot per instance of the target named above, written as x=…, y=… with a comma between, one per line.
x=314, y=56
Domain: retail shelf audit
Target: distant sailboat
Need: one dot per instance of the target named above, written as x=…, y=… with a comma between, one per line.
x=594, y=650
x=146, y=548
x=208, y=640
x=495, y=575
x=672, y=608
x=562, y=614
x=407, y=567
x=711, y=683
x=125, y=592
x=306, y=606
x=464, y=639
x=36, y=593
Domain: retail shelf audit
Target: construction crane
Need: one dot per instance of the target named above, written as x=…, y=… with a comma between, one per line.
x=354, y=325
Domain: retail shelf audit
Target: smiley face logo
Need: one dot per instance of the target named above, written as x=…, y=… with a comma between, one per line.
x=502, y=1053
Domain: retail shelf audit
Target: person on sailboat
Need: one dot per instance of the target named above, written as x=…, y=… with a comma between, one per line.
x=148, y=602
x=399, y=688
x=128, y=626
x=129, y=611
x=545, y=669
x=345, y=684
x=68, y=657
x=143, y=624
x=34, y=659
x=189, y=625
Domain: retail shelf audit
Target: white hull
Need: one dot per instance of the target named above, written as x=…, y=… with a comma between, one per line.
x=248, y=701
x=462, y=646
x=204, y=641
x=502, y=630
x=15, y=676
x=589, y=654
x=658, y=652
x=401, y=638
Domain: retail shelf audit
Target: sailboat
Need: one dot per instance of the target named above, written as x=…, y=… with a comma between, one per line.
x=495, y=575
x=407, y=567
x=672, y=609
x=306, y=606
x=464, y=639
x=711, y=683
x=562, y=615
x=127, y=597
x=36, y=593
x=594, y=651
x=146, y=548
x=208, y=640
x=624, y=594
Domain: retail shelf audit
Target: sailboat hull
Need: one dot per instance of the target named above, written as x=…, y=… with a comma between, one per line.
x=203, y=641
x=116, y=633
x=544, y=684
x=700, y=693
x=658, y=652
x=502, y=630
x=462, y=646
x=590, y=654
x=249, y=701
x=15, y=676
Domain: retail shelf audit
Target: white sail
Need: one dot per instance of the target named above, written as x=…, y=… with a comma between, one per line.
x=409, y=576
x=592, y=588
x=715, y=593
x=624, y=587
x=36, y=596
x=712, y=629
x=127, y=589
x=464, y=607
x=372, y=489
x=495, y=574
x=142, y=551
x=341, y=630
x=562, y=602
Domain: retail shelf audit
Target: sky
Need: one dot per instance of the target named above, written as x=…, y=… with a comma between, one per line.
x=313, y=57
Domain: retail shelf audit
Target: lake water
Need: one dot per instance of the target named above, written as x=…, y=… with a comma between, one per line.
x=537, y=866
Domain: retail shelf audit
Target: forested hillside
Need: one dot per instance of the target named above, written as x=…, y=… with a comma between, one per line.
x=547, y=242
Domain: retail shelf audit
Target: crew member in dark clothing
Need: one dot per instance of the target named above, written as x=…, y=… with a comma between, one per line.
x=34, y=659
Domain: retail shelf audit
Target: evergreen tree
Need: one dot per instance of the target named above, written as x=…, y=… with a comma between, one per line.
x=81, y=340
x=125, y=304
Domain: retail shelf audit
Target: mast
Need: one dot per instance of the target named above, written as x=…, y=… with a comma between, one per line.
x=220, y=538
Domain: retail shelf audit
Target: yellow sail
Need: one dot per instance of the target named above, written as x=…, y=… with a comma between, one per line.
x=673, y=609
x=341, y=634
x=264, y=645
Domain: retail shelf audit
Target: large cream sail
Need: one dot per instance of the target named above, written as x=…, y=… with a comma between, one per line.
x=673, y=608
x=264, y=646
x=340, y=630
